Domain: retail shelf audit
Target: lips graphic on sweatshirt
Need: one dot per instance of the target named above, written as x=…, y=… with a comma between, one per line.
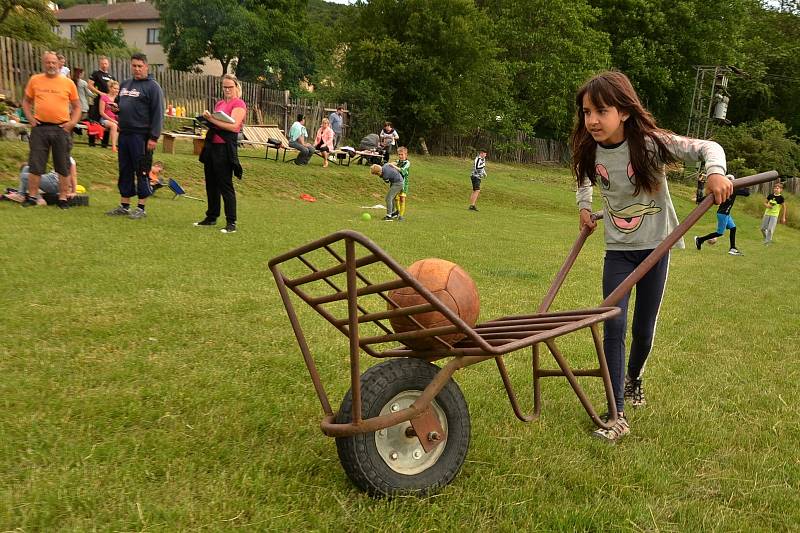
x=629, y=218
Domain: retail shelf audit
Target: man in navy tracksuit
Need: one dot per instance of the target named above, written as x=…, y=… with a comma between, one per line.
x=141, y=114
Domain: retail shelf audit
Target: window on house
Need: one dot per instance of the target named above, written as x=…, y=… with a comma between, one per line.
x=153, y=35
x=74, y=29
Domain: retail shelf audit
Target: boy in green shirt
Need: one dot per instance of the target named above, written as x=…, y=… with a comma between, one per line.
x=403, y=164
x=775, y=207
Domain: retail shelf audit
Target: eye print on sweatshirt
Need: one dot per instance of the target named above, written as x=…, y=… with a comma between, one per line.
x=601, y=171
x=629, y=218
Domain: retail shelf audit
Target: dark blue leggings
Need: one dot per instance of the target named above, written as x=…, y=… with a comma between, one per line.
x=649, y=293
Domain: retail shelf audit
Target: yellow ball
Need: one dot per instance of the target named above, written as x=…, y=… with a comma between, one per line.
x=80, y=189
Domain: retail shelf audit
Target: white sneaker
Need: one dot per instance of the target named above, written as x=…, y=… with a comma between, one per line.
x=617, y=431
x=734, y=251
x=137, y=214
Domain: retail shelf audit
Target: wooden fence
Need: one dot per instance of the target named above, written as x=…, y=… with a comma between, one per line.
x=791, y=185
x=521, y=148
x=19, y=60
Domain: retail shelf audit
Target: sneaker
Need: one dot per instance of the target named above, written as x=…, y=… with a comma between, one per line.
x=617, y=431
x=634, y=393
x=63, y=204
x=473, y=208
x=395, y=214
x=734, y=251
x=229, y=228
x=388, y=218
x=697, y=243
x=137, y=214
x=30, y=202
x=400, y=219
x=206, y=222
x=119, y=211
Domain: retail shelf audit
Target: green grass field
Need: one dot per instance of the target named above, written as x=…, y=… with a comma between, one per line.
x=149, y=379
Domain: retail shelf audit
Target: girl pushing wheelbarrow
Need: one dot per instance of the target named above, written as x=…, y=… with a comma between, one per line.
x=403, y=427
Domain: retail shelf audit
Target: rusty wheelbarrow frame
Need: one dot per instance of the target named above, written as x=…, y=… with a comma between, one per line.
x=488, y=340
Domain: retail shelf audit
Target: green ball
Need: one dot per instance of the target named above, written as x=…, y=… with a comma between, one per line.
x=366, y=216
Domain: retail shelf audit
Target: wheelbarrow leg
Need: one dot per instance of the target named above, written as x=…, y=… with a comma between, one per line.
x=568, y=373
x=607, y=386
x=537, y=408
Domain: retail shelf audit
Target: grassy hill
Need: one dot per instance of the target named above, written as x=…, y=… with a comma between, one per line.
x=151, y=381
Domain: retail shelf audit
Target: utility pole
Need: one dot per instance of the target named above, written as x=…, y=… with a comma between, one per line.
x=709, y=100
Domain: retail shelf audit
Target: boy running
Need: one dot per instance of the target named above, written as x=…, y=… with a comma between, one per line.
x=724, y=222
x=776, y=207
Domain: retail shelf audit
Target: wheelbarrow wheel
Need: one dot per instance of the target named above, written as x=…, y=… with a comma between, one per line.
x=389, y=462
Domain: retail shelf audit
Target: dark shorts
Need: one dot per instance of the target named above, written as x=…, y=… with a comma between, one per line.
x=476, y=183
x=43, y=139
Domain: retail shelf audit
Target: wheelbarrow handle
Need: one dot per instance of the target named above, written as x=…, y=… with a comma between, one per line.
x=662, y=249
x=568, y=262
x=755, y=179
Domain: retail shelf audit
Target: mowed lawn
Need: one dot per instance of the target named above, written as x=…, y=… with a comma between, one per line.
x=149, y=379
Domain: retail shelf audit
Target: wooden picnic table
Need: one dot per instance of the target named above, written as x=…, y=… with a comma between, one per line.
x=168, y=141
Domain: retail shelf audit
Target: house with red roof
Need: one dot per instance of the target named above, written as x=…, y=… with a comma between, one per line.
x=138, y=21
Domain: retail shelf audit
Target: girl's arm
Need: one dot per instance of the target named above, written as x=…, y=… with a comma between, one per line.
x=237, y=115
x=687, y=149
x=583, y=197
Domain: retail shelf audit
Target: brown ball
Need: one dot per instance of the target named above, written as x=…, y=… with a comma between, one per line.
x=451, y=285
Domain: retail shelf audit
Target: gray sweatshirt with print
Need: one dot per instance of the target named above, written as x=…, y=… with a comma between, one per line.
x=641, y=222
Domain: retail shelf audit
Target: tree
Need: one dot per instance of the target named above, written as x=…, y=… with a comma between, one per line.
x=29, y=20
x=97, y=36
x=657, y=43
x=327, y=26
x=434, y=62
x=550, y=47
x=262, y=37
x=36, y=8
x=757, y=146
x=770, y=59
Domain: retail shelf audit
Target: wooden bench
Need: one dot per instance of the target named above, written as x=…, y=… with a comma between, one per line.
x=168, y=141
x=269, y=136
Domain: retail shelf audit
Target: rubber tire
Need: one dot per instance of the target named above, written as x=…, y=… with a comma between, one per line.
x=358, y=454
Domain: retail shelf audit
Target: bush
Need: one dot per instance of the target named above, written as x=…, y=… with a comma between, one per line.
x=759, y=146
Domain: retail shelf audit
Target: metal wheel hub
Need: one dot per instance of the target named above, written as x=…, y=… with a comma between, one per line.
x=402, y=453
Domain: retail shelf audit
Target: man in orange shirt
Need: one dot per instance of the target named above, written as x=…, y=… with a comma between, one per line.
x=52, y=107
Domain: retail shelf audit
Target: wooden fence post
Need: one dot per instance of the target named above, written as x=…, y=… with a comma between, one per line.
x=286, y=111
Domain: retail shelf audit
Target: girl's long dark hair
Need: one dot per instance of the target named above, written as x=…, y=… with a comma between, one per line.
x=646, y=141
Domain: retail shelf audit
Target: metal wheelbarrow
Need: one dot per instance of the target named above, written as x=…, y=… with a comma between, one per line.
x=404, y=427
